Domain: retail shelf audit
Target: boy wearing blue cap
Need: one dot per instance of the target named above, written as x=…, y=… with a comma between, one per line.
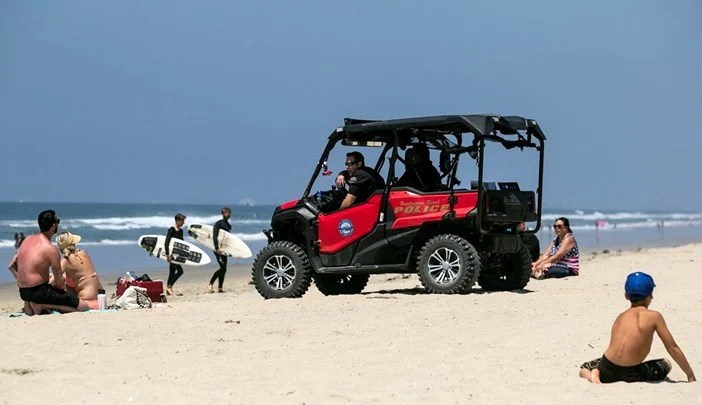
x=632, y=335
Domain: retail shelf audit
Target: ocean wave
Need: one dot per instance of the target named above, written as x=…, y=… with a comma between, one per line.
x=109, y=242
x=608, y=226
x=131, y=223
x=577, y=215
x=251, y=237
x=6, y=243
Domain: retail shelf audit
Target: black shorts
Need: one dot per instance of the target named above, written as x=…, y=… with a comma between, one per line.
x=47, y=294
x=648, y=371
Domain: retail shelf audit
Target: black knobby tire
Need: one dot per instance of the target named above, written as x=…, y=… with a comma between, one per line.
x=281, y=270
x=448, y=264
x=506, y=272
x=341, y=284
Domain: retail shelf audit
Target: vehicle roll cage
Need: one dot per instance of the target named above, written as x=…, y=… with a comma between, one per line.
x=436, y=130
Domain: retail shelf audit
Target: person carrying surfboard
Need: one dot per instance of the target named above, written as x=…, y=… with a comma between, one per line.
x=222, y=224
x=175, y=270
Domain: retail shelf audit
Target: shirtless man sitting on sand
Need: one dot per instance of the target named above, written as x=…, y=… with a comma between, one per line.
x=34, y=258
x=78, y=269
x=632, y=335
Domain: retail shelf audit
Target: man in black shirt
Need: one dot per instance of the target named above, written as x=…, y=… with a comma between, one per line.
x=174, y=270
x=221, y=225
x=420, y=173
x=362, y=180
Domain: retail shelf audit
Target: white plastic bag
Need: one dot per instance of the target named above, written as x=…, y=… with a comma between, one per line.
x=134, y=298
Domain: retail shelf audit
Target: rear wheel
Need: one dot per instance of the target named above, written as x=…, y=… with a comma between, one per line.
x=506, y=272
x=448, y=264
x=341, y=284
x=281, y=270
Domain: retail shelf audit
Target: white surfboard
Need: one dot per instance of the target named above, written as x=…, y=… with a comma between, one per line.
x=183, y=252
x=230, y=244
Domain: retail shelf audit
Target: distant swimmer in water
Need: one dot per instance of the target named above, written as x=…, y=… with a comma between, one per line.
x=12, y=266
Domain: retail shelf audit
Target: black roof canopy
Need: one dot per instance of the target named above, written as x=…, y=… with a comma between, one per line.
x=479, y=124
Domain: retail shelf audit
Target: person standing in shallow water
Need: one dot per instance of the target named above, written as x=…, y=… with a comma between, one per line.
x=12, y=266
x=175, y=270
x=221, y=225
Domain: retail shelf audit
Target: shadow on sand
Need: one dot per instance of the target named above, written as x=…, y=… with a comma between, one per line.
x=422, y=291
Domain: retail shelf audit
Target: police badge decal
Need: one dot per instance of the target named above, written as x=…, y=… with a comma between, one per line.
x=345, y=228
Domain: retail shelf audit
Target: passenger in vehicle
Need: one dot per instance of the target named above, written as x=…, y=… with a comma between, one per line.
x=420, y=173
x=362, y=180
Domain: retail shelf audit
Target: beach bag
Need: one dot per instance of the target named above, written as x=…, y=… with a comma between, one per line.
x=154, y=288
x=134, y=298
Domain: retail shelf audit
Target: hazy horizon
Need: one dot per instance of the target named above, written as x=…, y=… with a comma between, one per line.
x=225, y=101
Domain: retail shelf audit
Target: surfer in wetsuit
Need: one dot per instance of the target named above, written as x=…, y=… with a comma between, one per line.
x=221, y=225
x=174, y=270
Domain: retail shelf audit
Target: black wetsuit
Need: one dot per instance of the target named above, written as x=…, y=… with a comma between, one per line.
x=174, y=270
x=224, y=225
x=363, y=183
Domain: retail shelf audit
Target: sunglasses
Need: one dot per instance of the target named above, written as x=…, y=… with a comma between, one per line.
x=350, y=163
x=58, y=221
x=557, y=226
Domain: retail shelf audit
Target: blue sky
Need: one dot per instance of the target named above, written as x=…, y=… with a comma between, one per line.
x=219, y=101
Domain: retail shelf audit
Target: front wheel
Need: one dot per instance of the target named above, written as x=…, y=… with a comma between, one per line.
x=281, y=270
x=341, y=284
x=448, y=264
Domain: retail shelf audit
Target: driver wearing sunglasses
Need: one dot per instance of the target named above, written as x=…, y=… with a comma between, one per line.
x=362, y=181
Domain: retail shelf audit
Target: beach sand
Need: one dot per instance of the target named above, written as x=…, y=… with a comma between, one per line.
x=391, y=344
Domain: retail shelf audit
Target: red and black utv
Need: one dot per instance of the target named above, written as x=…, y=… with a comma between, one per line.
x=450, y=236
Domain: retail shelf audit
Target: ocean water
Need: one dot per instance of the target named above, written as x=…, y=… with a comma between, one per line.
x=109, y=231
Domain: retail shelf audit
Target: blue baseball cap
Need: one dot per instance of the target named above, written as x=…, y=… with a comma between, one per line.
x=639, y=285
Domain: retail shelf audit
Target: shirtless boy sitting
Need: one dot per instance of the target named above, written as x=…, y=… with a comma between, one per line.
x=34, y=258
x=78, y=269
x=632, y=335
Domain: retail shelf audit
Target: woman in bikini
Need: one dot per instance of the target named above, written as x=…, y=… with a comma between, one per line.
x=561, y=258
x=78, y=269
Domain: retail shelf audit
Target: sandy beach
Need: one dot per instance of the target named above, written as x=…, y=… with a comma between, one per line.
x=391, y=344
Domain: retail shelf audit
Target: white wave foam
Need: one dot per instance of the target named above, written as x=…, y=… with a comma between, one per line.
x=8, y=243
x=622, y=216
x=251, y=236
x=109, y=242
x=250, y=222
x=131, y=223
x=608, y=227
